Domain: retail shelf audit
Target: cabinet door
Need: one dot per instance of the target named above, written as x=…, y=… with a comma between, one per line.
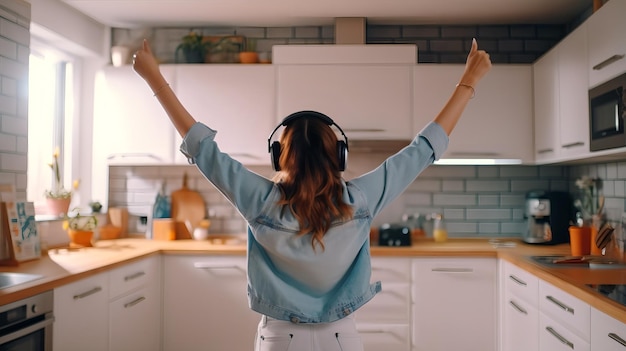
x=607, y=333
x=546, y=91
x=520, y=324
x=135, y=320
x=129, y=125
x=238, y=101
x=607, y=42
x=454, y=304
x=497, y=122
x=205, y=304
x=573, y=94
x=564, y=308
x=133, y=275
x=366, y=101
x=81, y=312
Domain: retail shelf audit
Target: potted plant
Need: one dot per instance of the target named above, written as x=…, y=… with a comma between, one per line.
x=58, y=198
x=80, y=228
x=249, y=54
x=193, y=47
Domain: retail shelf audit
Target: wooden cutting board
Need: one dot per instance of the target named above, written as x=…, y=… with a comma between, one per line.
x=187, y=207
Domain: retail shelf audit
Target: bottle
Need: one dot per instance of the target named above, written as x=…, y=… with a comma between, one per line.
x=440, y=234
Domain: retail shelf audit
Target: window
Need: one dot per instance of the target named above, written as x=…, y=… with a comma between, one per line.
x=50, y=116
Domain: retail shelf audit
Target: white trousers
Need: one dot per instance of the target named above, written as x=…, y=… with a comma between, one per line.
x=277, y=335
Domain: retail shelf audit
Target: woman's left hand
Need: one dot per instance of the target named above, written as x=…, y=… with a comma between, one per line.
x=144, y=62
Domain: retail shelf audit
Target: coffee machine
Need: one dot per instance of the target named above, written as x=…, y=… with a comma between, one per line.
x=549, y=214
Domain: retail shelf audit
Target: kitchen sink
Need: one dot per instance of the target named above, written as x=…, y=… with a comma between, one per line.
x=8, y=280
x=563, y=261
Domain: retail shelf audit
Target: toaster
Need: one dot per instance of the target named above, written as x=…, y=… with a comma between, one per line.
x=394, y=235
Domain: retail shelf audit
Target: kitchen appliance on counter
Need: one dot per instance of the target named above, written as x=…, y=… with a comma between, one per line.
x=548, y=215
x=394, y=235
x=607, y=112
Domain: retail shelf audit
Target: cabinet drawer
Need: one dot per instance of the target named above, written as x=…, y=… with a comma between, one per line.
x=133, y=276
x=607, y=333
x=520, y=324
x=135, y=321
x=392, y=270
x=554, y=336
x=388, y=337
x=521, y=283
x=565, y=309
x=391, y=305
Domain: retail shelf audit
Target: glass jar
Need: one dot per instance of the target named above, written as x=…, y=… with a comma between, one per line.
x=440, y=233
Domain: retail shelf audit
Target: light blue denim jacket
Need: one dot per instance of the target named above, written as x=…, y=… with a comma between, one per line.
x=287, y=278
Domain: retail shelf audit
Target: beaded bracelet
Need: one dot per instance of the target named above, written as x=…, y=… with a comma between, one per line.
x=469, y=86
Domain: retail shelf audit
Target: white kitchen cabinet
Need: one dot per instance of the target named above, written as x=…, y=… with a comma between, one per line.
x=553, y=336
x=81, y=312
x=135, y=306
x=454, y=304
x=519, y=311
x=565, y=309
x=547, y=107
x=129, y=125
x=238, y=101
x=607, y=333
x=205, y=304
x=497, y=122
x=368, y=101
x=573, y=95
x=384, y=322
x=607, y=42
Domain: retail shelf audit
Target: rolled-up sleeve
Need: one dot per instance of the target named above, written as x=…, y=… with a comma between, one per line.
x=436, y=137
x=191, y=142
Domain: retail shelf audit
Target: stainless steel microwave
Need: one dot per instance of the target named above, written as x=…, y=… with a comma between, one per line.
x=607, y=114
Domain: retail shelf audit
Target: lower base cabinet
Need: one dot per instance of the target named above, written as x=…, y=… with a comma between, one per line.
x=607, y=333
x=454, y=304
x=554, y=336
x=205, y=304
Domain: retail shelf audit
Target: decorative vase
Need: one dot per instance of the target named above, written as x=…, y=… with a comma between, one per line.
x=58, y=207
x=80, y=237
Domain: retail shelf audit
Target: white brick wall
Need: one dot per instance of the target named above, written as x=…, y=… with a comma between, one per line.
x=14, y=50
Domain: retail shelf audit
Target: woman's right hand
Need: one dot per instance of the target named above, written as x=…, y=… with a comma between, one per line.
x=477, y=65
x=145, y=64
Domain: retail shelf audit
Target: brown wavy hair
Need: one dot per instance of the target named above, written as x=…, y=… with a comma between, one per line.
x=310, y=178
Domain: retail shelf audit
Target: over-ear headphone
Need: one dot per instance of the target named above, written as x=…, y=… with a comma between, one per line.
x=342, y=145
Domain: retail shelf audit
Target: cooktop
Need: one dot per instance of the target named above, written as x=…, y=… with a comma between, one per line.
x=614, y=292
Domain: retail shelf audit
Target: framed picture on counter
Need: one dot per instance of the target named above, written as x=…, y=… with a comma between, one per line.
x=20, y=238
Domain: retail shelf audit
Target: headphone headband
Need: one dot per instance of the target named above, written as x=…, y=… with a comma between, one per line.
x=303, y=114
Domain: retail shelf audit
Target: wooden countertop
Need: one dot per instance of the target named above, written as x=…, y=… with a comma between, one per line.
x=61, y=266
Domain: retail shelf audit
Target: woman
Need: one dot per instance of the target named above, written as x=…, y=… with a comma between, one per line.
x=308, y=229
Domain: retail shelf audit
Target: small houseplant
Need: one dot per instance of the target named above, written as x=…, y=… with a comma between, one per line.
x=193, y=47
x=58, y=198
x=248, y=53
x=80, y=228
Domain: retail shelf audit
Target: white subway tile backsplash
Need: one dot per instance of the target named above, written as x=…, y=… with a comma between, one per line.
x=454, y=200
x=488, y=214
x=488, y=171
x=13, y=162
x=518, y=172
x=611, y=171
x=12, y=125
x=488, y=200
x=15, y=32
x=486, y=186
x=528, y=185
x=489, y=228
x=453, y=186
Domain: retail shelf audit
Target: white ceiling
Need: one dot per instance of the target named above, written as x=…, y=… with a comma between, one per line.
x=275, y=13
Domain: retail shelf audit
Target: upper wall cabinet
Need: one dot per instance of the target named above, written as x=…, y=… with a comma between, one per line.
x=369, y=99
x=235, y=100
x=130, y=126
x=561, y=102
x=497, y=122
x=607, y=42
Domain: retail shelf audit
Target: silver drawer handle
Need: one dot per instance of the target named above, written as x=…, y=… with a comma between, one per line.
x=134, y=302
x=205, y=265
x=517, y=280
x=607, y=62
x=545, y=151
x=560, y=304
x=453, y=270
x=134, y=276
x=561, y=339
x=87, y=293
x=578, y=143
x=617, y=339
x=517, y=307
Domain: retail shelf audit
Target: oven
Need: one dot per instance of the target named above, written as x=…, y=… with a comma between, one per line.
x=26, y=325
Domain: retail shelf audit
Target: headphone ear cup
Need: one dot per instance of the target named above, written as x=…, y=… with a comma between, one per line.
x=342, y=154
x=275, y=154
